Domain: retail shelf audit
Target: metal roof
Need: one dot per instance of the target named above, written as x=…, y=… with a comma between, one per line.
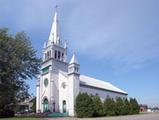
x=89, y=81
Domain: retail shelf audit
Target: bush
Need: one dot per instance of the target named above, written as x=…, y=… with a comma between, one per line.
x=134, y=107
x=34, y=105
x=84, y=105
x=126, y=107
x=92, y=106
x=109, y=107
x=6, y=113
x=98, y=106
x=119, y=106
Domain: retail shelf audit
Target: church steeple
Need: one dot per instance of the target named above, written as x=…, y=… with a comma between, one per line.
x=54, y=34
x=73, y=67
x=53, y=47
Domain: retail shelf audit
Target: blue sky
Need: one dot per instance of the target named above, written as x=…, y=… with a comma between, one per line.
x=115, y=40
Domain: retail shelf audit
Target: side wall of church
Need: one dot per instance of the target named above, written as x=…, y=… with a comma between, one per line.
x=73, y=91
x=63, y=92
x=103, y=94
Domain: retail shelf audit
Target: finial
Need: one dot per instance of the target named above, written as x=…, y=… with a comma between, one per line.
x=65, y=44
x=56, y=7
x=74, y=59
x=74, y=53
x=44, y=46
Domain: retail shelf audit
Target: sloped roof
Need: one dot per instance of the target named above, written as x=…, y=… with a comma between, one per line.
x=89, y=81
x=92, y=82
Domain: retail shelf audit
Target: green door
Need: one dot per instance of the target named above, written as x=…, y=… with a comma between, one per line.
x=45, y=105
x=64, y=106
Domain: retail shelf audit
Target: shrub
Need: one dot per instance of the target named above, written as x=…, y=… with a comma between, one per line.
x=134, y=107
x=84, y=105
x=92, y=106
x=6, y=113
x=126, y=107
x=109, y=107
x=98, y=106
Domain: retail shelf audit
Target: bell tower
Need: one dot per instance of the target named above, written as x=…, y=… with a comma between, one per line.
x=54, y=60
x=73, y=75
x=53, y=48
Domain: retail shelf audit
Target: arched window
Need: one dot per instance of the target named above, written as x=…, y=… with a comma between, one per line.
x=50, y=54
x=62, y=56
x=59, y=54
x=55, y=54
x=64, y=106
x=45, y=105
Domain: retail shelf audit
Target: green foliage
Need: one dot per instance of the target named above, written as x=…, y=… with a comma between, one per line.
x=134, y=107
x=109, y=107
x=126, y=107
x=22, y=118
x=92, y=106
x=84, y=105
x=34, y=105
x=98, y=106
x=18, y=62
x=119, y=106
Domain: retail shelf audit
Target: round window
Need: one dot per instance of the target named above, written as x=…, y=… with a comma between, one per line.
x=63, y=85
x=46, y=82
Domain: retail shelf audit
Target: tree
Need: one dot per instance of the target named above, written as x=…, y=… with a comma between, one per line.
x=134, y=107
x=34, y=104
x=109, y=107
x=84, y=105
x=119, y=106
x=98, y=106
x=18, y=62
x=126, y=110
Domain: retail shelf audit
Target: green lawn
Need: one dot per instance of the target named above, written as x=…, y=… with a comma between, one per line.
x=15, y=118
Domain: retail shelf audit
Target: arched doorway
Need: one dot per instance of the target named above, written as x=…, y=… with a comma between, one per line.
x=64, y=106
x=45, y=105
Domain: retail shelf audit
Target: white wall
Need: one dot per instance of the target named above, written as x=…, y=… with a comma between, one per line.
x=103, y=94
x=63, y=92
x=73, y=92
x=45, y=91
x=55, y=89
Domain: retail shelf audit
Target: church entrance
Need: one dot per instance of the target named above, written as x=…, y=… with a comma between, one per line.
x=53, y=106
x=45, y=105
x=64, y=106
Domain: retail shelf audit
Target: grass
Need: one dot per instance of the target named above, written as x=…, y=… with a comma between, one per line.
x=22, y=118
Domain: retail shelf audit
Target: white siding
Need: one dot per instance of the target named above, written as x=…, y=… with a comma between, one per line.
x=101, y=93
x=63, y=92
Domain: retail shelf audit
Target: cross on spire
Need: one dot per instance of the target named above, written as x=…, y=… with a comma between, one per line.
x=56, y=7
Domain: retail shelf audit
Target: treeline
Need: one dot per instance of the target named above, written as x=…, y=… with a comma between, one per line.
x=92, y=106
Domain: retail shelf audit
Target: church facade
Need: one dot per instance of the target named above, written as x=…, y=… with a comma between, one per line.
x=60, y=81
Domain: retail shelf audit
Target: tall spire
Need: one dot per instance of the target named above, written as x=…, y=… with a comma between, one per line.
x=54, y=34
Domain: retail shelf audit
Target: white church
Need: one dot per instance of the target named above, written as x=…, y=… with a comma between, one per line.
x=60, y=80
